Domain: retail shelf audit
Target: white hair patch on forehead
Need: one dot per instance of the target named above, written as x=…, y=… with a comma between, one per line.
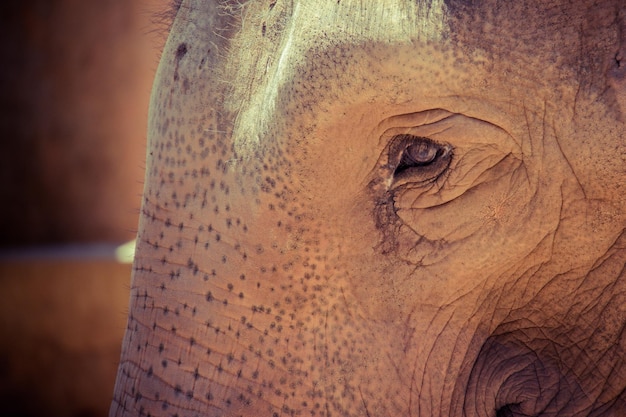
x=275, y=36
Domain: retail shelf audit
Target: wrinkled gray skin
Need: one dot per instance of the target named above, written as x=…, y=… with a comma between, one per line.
x=342, y=221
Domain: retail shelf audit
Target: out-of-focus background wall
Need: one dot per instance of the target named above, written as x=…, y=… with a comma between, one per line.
x=75, y=80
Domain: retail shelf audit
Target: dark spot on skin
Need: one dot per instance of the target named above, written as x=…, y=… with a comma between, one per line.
x=181, y=51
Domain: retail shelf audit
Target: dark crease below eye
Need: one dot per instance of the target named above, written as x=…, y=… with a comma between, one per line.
x=418, y=159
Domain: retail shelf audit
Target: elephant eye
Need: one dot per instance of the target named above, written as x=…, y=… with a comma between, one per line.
x=418, y=159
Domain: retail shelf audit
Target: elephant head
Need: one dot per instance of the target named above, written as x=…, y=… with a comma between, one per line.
x=367, y=208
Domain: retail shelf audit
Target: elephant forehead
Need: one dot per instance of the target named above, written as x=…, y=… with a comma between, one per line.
x=278, y=41
x=275, y=40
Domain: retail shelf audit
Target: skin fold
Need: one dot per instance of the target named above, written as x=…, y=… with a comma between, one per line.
x=356, y=208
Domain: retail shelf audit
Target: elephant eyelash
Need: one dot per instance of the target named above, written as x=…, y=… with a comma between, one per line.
x=163, y=19
x=175, y=6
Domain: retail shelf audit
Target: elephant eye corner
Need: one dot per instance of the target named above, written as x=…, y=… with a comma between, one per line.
x=419, y=160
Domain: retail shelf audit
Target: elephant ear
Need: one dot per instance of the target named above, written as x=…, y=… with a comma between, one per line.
x=617, y=68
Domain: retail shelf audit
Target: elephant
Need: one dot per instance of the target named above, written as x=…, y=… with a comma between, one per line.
x=367, y=208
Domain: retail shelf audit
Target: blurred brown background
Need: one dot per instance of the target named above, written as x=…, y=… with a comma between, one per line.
x=75, y=79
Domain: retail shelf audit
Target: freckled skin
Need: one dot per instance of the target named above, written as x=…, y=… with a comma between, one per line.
x=310, y=278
